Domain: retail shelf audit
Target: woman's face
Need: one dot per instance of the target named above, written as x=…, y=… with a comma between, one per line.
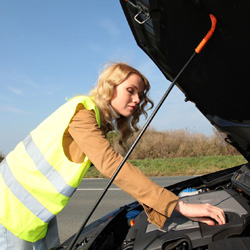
x=126, y=97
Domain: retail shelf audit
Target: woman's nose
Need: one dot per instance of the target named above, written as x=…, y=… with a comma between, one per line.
x=136, y=98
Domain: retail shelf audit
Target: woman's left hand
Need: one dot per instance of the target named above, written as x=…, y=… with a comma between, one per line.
x=205, y=213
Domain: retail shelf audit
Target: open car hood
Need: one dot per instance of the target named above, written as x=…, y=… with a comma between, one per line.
x=216, y=80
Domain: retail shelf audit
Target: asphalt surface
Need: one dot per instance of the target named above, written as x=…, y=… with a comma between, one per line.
x=83, y=200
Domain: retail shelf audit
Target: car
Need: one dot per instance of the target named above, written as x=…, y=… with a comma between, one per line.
x=216, y=81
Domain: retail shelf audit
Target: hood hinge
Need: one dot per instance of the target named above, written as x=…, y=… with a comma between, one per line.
x=142, y=11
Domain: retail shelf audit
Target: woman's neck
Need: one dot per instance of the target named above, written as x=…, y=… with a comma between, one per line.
x=114, y=115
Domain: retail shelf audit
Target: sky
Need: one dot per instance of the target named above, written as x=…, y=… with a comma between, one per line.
x=51, y=50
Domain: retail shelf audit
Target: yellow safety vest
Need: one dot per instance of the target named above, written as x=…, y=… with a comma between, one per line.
x=37, y=179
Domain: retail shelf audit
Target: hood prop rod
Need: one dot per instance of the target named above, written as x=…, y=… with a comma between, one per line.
x=197, y=51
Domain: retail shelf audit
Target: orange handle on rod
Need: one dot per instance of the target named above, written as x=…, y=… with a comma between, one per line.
x=208, y=35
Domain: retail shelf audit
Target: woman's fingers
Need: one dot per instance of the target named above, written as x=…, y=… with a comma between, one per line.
x=205, y=220
x=216, y=213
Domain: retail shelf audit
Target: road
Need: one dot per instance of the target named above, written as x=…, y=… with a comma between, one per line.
x=76, y=211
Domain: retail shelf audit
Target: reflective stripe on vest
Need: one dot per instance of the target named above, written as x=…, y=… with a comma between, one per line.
x=23, y=195
x=37, y=179
x=46, y=169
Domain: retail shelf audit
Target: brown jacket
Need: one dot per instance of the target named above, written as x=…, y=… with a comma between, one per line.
x=84, y=137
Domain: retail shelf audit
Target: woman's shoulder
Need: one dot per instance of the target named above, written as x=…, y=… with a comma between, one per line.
x=83, y=113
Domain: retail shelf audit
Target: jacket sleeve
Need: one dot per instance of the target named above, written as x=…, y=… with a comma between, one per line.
x=157, y=202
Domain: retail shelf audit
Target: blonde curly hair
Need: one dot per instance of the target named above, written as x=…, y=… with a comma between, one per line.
x=111, y=76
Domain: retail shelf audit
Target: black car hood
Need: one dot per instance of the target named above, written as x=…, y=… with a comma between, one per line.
x=217, y=79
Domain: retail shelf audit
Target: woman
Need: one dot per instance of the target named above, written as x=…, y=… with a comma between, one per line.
x=42, y=173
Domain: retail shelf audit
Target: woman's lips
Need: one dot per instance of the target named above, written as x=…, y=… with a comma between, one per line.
x=132, y=107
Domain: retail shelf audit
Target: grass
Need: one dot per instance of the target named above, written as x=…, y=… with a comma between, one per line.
x=180, y=166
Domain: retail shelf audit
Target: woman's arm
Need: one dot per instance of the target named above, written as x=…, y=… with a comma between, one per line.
x=157, y=201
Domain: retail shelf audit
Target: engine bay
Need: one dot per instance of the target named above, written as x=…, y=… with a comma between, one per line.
x=180, y=232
